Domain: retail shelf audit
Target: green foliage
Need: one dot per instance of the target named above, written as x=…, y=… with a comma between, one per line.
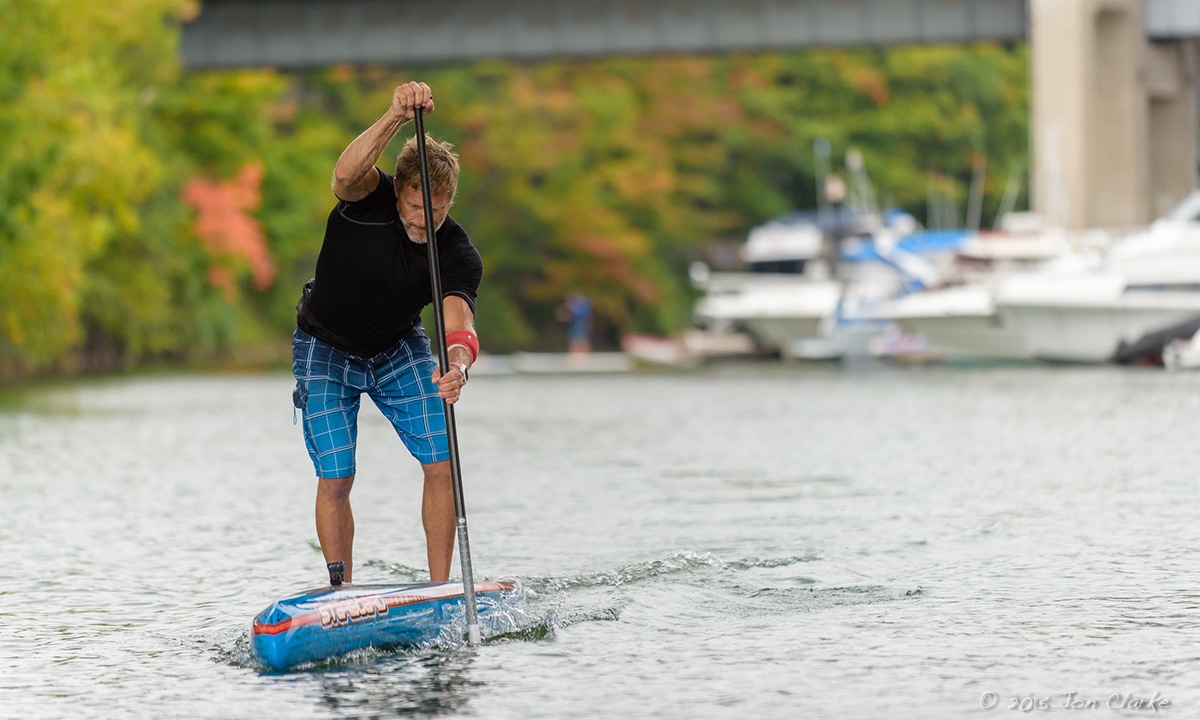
x=77, y=170
x=913, y=112
x=605, y=177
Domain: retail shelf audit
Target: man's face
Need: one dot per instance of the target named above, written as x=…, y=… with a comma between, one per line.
x=412, y=212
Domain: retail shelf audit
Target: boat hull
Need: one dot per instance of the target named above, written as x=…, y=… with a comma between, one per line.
x=1093, y=333
x=777, y=311
x=960, y=323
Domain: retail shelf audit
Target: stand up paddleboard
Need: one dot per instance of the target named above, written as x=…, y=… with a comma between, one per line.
x=334, y=620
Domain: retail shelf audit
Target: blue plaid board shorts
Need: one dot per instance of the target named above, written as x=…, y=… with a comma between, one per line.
x=330, y=384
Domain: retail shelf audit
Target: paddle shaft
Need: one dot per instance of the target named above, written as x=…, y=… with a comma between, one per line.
x=435, y=281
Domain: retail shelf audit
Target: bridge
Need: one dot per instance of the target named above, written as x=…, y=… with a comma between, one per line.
x=307, y=33
x=1115, y=83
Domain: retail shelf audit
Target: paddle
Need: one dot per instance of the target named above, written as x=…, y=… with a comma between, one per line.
x=435, y=280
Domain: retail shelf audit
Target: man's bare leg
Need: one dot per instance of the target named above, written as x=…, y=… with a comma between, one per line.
x=439, y=518
x=335, y=521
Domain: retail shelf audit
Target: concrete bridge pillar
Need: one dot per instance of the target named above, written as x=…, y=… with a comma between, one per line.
x=1114, y=117
x=1173, y=84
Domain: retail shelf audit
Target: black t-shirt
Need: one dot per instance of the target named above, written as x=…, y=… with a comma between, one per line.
x=372, y=281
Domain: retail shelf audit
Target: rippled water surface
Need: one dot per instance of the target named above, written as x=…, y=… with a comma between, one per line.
x=736, y=541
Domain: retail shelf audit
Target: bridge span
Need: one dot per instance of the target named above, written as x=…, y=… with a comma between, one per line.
x=307, y=33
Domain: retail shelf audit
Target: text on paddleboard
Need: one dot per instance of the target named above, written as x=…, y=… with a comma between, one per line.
x=345, y=612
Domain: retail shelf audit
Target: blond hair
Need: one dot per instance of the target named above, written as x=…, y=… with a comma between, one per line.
x=443, y=167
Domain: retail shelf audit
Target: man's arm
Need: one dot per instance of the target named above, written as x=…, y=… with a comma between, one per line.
x=458, y=316
x=354, y=175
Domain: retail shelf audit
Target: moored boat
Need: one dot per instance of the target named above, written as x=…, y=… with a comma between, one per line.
x=1086, y=306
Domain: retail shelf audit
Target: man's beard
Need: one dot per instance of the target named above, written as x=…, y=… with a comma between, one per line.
x=418, y=237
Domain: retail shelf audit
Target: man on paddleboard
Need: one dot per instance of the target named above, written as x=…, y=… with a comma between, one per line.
x=358, y=327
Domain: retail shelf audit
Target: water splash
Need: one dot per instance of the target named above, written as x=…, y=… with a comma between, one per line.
x=714, y=586
x=676, y=564
x=510, y=619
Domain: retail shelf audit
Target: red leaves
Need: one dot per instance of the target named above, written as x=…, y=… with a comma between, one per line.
x=228, y=230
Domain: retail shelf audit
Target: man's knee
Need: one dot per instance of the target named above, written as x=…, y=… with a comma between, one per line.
x=437, y=471
x=335, y=489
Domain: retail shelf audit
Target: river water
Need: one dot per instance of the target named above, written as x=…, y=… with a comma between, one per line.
x=745, y=540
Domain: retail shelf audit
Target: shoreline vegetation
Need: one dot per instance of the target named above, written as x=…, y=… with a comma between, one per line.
x=154, y=216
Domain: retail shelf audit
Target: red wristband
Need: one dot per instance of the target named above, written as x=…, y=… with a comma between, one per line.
x=464, y=339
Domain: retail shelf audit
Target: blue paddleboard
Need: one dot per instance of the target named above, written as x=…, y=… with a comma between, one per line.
x=331, y=621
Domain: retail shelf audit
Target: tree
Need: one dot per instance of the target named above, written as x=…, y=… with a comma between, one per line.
x=77, y=167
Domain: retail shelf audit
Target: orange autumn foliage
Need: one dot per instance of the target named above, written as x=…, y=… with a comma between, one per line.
x=228, y=230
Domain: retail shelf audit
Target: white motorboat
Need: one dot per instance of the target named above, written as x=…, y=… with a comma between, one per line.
x=1087, y=318
x=1085, y=308
x=785, y=294
x=957, y=316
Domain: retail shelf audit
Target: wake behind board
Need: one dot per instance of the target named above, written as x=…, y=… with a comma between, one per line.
x=334, y=620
